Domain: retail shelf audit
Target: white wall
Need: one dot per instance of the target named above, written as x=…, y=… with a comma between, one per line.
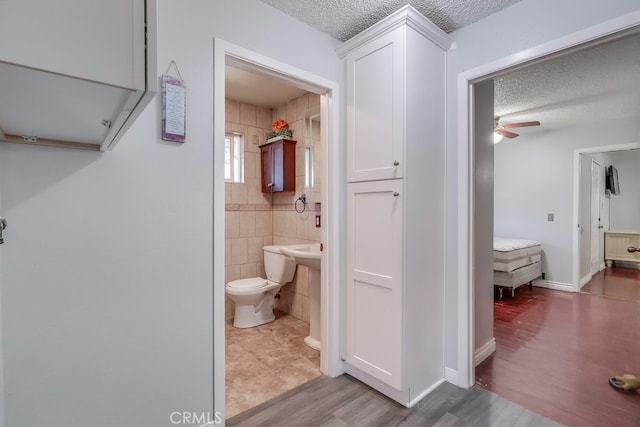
x=625, y=207
x=505, y=33
x=483, y=98
x=107, y=278
x=534, y=176
x=1, y=340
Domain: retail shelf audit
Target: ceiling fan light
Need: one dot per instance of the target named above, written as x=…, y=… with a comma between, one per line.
x=497, y=137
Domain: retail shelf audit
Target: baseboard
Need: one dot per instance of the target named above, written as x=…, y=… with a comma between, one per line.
x=404, y=397
x=401, y=397
x=451, y=376
x=483, y=352
x=424, y=394
x=558, y=286
x=585, y=280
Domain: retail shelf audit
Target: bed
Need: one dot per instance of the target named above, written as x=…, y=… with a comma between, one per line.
x=515, y=262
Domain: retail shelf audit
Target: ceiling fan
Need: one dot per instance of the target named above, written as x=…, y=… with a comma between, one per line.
x=501, y=130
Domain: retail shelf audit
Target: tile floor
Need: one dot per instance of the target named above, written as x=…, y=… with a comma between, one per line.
x=265, y=361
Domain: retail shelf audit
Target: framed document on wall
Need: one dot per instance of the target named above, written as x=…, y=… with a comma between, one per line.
x=173, y=109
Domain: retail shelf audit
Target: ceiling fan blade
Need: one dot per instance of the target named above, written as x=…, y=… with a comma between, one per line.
x=506, y=133
x=521, y=124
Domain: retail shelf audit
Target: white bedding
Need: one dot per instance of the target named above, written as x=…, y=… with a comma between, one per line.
x=511, y=254
x=503, y=244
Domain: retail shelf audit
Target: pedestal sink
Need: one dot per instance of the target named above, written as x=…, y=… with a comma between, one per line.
x=309, y=255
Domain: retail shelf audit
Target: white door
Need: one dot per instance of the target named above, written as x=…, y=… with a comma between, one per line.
x=374, y=279
x=595, y=216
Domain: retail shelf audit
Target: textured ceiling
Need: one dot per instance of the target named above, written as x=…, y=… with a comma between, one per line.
x=595, y=84
x=343, y=19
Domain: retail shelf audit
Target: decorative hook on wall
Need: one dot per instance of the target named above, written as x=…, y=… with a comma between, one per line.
x=303, y=199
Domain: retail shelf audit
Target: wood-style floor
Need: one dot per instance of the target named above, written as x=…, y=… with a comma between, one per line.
x=620, y=283
x=346, y=402
x=556, y=351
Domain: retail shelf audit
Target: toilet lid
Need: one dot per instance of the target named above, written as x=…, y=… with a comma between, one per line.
x=252, y=283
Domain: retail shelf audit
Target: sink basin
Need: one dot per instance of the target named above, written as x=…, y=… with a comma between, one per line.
x=307, y=254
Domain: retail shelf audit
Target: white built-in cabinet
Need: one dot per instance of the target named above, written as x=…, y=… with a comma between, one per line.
x=75, y=73
x=395, y=205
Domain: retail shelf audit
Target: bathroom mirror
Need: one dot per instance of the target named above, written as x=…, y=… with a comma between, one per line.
x=312, y=158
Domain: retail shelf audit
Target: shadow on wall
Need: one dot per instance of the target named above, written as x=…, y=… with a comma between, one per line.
x=47, y=167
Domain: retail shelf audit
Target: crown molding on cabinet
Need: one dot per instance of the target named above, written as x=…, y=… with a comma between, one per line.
x=406, y=15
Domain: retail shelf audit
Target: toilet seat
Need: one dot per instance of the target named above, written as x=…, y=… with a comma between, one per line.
x=251, y=286
x=248, y=284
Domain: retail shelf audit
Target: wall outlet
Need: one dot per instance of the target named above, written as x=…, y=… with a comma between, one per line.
x=550, y=217
x=317, y=221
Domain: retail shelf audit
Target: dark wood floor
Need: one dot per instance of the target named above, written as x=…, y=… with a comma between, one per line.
x=346, y=402
x=620, y=283
x=557, y=350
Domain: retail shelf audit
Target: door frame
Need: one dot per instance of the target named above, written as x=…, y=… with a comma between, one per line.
x=576, y=202
x=333, y=193
x=465, y=144
x=596, y=170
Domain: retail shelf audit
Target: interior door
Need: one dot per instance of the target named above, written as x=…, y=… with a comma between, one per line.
x=595, y=217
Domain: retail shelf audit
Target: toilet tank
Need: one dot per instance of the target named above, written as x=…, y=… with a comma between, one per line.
x=278, y=267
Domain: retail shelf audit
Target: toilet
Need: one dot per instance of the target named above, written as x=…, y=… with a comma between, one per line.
x=254, y=297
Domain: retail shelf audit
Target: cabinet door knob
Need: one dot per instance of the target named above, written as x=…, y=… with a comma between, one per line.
x=396, y=194
x=396, y=163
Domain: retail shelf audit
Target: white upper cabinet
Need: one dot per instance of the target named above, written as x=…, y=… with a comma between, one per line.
x=378, y=65
x=375, y=82
x=93, y=40
x=75, y=73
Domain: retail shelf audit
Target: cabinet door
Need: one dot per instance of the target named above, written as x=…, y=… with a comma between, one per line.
x=96, y=41
x=266, y=168
x=278, y=164
x=375, y=109
x=374, y=279
x=277, y=171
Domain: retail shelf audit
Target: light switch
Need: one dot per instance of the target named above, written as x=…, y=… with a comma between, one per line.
x=550, y=217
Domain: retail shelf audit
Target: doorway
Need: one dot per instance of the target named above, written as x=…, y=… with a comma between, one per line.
x=467, y=225
x=229, y=54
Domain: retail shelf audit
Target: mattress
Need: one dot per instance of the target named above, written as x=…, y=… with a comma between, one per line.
x=517, y=277
x=511, y=254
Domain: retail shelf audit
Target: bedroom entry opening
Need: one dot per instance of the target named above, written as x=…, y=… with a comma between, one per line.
x=476, y=116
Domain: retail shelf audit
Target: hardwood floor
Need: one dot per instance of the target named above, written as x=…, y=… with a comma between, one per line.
x=557, y=350
x=621, y=283
x=346, y=402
